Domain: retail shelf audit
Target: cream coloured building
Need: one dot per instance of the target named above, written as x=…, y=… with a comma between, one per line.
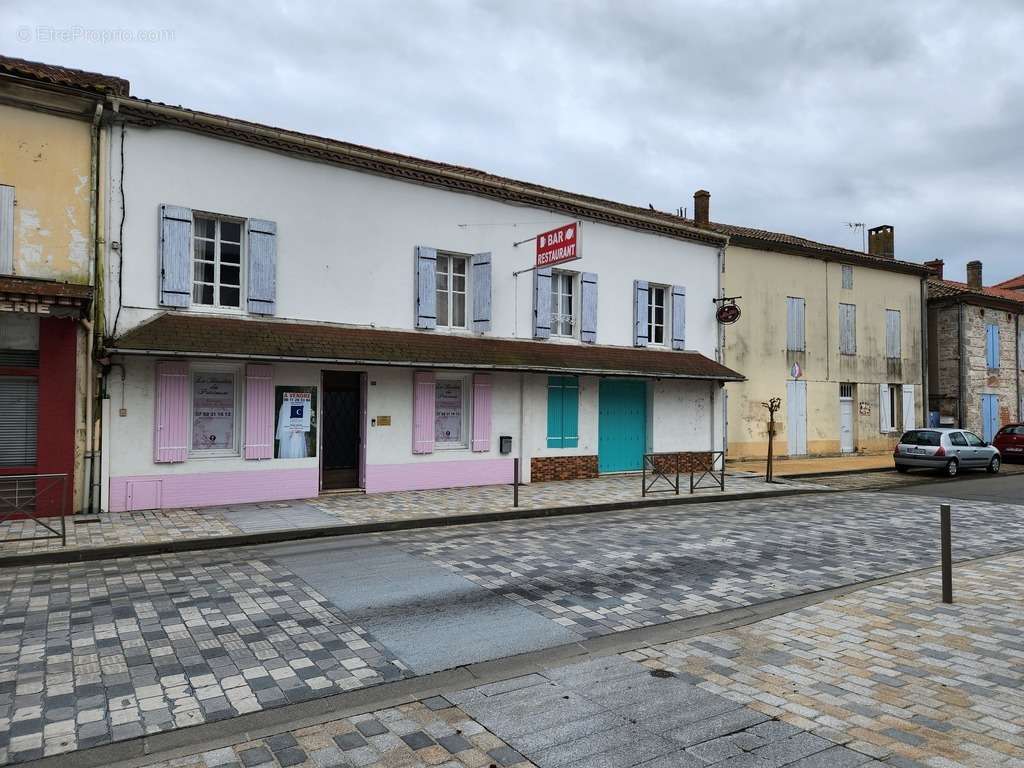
x=835, y=334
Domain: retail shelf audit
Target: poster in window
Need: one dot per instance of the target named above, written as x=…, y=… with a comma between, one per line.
x=295, y=436
x=213, y=411
x=448, y=412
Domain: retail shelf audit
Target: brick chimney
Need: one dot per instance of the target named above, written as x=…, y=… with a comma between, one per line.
x=880, y=242
x=701, y=207
x=935, y=266
x=974, y=274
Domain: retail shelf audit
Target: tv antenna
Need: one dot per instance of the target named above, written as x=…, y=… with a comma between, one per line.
x=863, y=233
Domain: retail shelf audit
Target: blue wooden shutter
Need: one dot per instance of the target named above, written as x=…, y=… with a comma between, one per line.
x=848, y=329
x=893, y=334
x=6, y=230
x=678, y=317
x=480, y=283
x=426, y=287
x=542, y=303
x=641, y=291
x=992, y=346
x=796, y=334
x=588, y=307
x=262, y=245
x=175, y=256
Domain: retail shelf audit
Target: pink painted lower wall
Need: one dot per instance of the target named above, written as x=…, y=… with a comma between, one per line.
x=209, y=489
x=421, y=475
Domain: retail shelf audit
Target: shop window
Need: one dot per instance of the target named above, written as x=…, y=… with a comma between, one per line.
x=563, y=411
x=19, y=403
x=451, y=417
x=451, y=290
x=215, y=413
x=216, y=262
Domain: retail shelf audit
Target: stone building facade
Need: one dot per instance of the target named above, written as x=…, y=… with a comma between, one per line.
x=977, y=352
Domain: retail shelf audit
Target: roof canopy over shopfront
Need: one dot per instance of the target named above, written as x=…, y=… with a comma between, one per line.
x=178, y=334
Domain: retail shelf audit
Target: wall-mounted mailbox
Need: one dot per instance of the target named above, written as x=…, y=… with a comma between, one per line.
x=505, y=444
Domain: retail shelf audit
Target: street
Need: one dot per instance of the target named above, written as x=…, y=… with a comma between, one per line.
x=111, y=650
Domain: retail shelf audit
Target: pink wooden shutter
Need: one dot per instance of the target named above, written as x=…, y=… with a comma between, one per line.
x=424, y=394
x=170, y=424
x=482, y=412
x=259, y=412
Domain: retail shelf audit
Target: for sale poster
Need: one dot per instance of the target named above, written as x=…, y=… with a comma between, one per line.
x=295, y=437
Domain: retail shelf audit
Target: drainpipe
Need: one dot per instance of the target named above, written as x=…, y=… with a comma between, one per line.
x=961, y=366
x=924, y=350
x=89, y=459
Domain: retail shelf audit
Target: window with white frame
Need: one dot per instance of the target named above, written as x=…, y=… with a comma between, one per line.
x=563, y=305
x=451, y=290
x=895, y=412
x=215, y=412
x=216, y=262
x=657, y=313
x=451, y=413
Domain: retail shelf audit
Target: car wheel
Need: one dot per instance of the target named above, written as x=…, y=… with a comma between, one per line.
x=952, y=468
x=902, y=469
x=993, y=466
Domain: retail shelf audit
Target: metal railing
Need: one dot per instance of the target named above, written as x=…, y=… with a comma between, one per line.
x=32, y=497
x=706, y=469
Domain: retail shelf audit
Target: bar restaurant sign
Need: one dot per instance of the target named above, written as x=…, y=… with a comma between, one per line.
x=558, y=245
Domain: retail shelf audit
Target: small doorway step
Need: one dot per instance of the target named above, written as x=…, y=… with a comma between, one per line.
x=342, y=431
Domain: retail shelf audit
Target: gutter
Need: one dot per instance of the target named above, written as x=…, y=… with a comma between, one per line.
x=239, y=130
x=419, y=364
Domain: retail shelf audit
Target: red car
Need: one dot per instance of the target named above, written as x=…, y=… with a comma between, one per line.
x=1010, y=442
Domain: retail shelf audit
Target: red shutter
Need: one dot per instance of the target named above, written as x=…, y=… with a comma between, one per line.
x=259, y=412
x=482, y=412
x=170, y=425
x=424, y=394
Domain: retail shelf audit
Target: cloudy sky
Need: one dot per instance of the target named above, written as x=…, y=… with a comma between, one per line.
x=797, y=115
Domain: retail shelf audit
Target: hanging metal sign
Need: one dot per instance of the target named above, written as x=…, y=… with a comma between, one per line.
x=727, y=314
x=558, y=245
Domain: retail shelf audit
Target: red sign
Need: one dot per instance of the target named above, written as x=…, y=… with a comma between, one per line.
x=728, y=314
x=558, y=245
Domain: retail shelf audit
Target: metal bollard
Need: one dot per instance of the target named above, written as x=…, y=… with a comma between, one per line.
x=515, y=482
x=947, y=555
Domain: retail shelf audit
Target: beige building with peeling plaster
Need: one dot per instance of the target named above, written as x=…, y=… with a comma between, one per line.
x=51, y=120
x=835, y=334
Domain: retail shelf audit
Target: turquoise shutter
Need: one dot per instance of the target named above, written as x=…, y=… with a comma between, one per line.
x=554, y=412
x=570, y=412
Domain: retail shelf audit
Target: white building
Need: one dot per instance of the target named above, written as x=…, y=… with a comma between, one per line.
x=288, y=314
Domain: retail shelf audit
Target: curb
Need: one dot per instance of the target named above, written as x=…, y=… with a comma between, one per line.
x=300, y=534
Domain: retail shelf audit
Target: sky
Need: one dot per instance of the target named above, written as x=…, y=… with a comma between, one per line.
x=797, y=115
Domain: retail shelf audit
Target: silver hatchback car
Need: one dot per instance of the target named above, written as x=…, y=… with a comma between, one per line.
x=946, y=450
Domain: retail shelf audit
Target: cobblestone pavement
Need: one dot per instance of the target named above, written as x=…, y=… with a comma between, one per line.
x=338, y=509
x=880, y=480
x=890, y=670
x=607, y=713
x=631, y=571
x=110, y=650
x=882, y=676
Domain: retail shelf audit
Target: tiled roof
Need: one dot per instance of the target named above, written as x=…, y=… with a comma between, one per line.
x=31, y=287
x=802, y=246
x=188, y=334
x=1013, y=284
x=64, y=76
x=942, y=289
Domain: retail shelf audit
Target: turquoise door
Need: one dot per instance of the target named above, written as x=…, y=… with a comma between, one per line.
x=622, y=425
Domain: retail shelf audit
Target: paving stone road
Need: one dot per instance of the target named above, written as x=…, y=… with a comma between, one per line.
x=105, y=651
